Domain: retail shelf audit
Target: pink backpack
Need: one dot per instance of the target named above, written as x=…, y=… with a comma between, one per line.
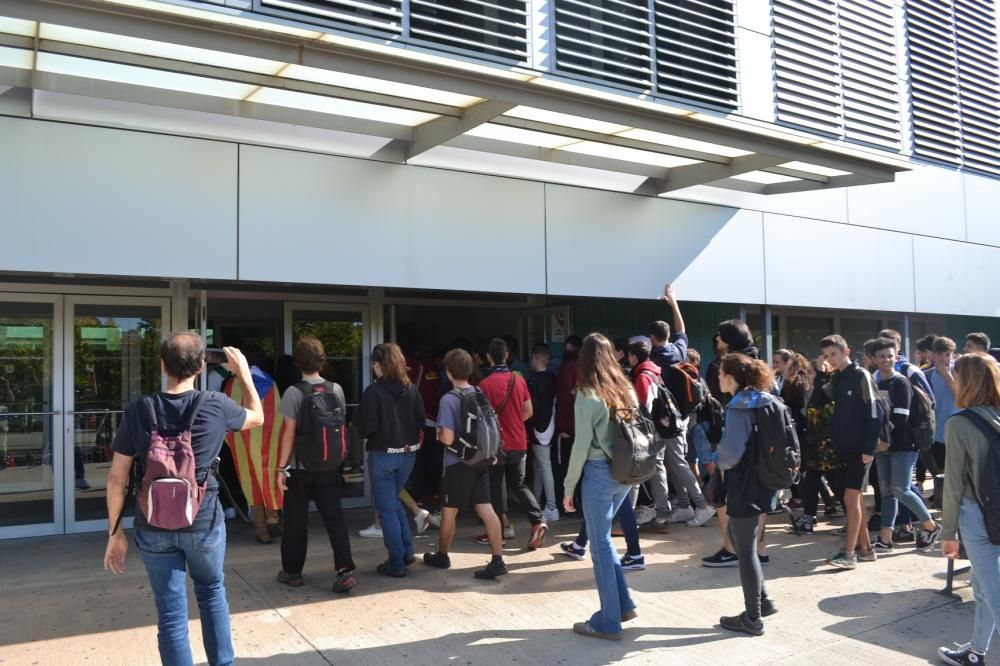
x=170, y=495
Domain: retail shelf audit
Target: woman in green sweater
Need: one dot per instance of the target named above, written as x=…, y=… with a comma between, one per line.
x=968, y=437
x=602, y=389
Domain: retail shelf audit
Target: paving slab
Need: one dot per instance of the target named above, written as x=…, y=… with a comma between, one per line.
x=60, y=607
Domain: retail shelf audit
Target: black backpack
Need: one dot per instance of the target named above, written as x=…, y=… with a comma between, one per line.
x=665, y=414
x=684, y=382
x=777, y=446
x=922, y=421
x=320, y=433
x=635, y=450
x=477, y=442
x=989, y=478
x=712, y=414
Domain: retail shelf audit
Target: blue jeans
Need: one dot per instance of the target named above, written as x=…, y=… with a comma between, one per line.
x=543, y=481
x=895, y=480
x=625, y=518
x=389, y=472
x=698, y=439
x=168, y=557
x=985, y=560
x=601, y=497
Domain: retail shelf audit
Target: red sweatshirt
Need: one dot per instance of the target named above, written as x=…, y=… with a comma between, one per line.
x=644, y=376
x=565, y=383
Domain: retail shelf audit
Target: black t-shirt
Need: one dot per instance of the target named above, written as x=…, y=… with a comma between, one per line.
x=218, y=415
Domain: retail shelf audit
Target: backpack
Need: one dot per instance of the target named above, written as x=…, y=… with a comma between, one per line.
x=665, y=414
x=713, y=414
x=922, y=421
x=778, y=456
x=989, y=479
x=320, y=433
x=684, y=382
x=884, y=414
x=169, y=495
x=477, y=443
x=636, y=449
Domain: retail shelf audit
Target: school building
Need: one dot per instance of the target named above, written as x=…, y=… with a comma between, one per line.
x=424, y=170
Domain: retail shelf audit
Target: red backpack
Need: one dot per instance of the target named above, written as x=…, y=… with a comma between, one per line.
x=169, y=495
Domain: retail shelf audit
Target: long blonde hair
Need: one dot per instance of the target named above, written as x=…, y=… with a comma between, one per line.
x=598, y=370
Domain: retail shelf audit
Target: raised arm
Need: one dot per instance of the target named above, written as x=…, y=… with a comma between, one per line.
x=671, y=298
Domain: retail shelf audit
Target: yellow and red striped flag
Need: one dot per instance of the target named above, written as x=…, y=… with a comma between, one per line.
x=255, y=451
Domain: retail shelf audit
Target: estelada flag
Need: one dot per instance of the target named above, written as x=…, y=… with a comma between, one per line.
x=255, y=451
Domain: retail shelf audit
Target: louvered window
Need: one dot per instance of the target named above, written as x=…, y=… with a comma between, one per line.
x=379, y=15
x=604, y=39
x=835, y=68
x=496, y=28
x=952, y=49
x=696, y=51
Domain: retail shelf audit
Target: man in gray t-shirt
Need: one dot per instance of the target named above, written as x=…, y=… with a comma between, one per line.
x=291, y=408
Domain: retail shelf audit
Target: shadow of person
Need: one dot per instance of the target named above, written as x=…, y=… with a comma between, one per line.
x=506, y=646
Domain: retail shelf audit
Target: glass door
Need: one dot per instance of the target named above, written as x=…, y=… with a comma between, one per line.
x=344, y=332
x=31, y=490
x=112, y=347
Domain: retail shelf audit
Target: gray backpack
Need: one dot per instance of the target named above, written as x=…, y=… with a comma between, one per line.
x=477, y=442
x=636, y=448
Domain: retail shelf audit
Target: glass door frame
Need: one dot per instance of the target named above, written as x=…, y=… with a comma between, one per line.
x=367, y=343
x=71, y=525
x=57, y=415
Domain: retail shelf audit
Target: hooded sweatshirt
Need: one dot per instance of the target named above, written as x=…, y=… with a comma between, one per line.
x=966, y=449
x=644, y=376
x=744, y=495
x=675, y=351
x=391, y=416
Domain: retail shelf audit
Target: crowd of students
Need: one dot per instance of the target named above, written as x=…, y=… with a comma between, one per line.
x=556, y=422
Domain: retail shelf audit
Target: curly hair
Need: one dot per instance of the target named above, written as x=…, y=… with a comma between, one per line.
x=748, y=372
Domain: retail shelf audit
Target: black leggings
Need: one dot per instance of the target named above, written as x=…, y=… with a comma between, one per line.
x=811, y=487
x=744, y=532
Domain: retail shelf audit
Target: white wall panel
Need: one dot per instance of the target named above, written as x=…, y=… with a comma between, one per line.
x=927, y=201
x=92, y=200
x=616, y=245
x=756, y=75
x=982, y=209
x=377, y=224
x=823, y=264
x=956, y=278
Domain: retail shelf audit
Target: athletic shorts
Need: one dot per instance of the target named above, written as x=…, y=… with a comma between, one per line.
x=853, y=471
x=464, y=487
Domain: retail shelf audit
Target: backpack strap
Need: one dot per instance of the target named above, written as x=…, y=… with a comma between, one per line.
x=981, y=424
x=149, y=407
x=510, y=390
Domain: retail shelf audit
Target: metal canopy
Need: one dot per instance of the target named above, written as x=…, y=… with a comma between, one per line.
x=224, y=63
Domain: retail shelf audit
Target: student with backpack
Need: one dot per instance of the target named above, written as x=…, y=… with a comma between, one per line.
x=313, y=450
x=604, y=395
x=542, y=387
x=858, y=419
x=391, y=419
x=747, y=493
x=467, y=427
x=971, y=498
x=897, y=461
x=174, y=437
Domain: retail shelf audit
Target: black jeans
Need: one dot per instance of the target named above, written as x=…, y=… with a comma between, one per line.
x=560, y=450
x=744, y=532
x=324, y=489
x=811, y=487
x=508, y=474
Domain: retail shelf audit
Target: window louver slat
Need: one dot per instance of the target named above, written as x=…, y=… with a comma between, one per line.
x=604, y=40
x=955, y=81
x=381, y=15
x=497, y=28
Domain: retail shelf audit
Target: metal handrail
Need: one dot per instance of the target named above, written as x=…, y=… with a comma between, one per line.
x=6, y=414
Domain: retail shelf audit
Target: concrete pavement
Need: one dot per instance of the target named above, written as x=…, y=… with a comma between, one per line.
x=60, y=607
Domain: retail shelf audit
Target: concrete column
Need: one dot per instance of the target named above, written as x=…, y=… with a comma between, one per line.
x=180, y=292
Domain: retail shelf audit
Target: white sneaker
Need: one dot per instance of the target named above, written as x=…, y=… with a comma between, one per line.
x=508, y=532
x=550, y=515
x=371, y=532
x=701, y=516
x=435, y=519
x=681, y=515
x=644, y=514
x=422, y=519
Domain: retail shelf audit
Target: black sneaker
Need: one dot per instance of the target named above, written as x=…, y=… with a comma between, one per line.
x=491, y=571
x=926, y=540
x=764, y=559
x=437, y=560
x=831, y=510
x=902, y=535
x=386, y=569
x=409, y=559
x=743, y=623
x=880, y=546
x=723, y=558
x=962, y=656
x=767, y=607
